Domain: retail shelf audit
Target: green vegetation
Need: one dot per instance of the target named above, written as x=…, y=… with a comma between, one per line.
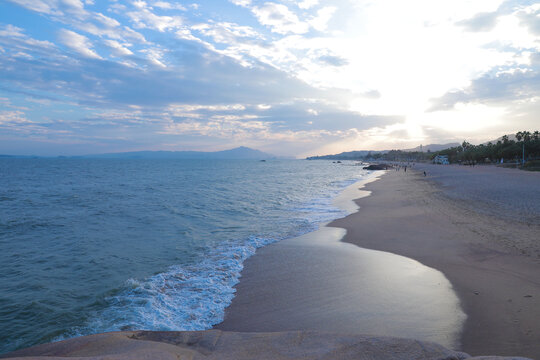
x=533, y=165
x=400, y=155
x=466, y=153
x=509, y=150
x=526, y=146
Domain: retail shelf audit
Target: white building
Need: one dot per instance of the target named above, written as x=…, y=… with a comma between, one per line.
x=441, y=159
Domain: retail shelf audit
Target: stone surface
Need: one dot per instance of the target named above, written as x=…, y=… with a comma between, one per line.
x=215, y=344
x=377, y=167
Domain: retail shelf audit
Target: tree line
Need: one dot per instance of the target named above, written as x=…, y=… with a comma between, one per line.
x=527, y=143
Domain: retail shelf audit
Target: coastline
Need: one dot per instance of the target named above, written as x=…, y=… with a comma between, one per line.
x=317, y=282
x=491, y=262
x=400, y=217
x=411, y=216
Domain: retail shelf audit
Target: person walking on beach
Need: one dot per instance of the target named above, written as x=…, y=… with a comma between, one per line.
x=425, y=174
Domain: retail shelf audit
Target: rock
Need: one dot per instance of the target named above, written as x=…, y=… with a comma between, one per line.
x=215, y=344
x=377, y=167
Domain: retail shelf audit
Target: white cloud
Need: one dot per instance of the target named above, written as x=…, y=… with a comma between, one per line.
x=12, y=117
x=78, y=43
x=73, y=6
x=19, y=43
x=219, y=127
x=41, y=6
x=155, y=56
x=320, y=22
x=16, y=122
x=244, y=3
x=176, y=108
x=307, y=4
x=144, y=18
x=227, y=33
x=379, y=57
x=53, y=7
x=117, y=48
x=11, y=31
x=107, y=21
x=168, y=5
x=280, y=19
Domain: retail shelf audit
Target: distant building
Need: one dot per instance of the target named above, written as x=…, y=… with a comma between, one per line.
x=441, y=159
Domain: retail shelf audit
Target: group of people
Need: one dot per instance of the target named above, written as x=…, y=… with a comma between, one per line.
x=398, y=167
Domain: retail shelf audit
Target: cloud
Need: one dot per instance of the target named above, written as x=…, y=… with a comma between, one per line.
x=107, y=21
x=307, y=4
x=155, y=56
x=201, y=76
x=12, y=117
x=41, y=6
x=74, y=14
x=243, y=3
x=16, y=123
x=53, y=7
x=333, y=60
x=503, y=87
x=320, y=22
x=280, y=19
x=118, y=49
x=144, y=18
x=530, y=17
x=275, y=70
x=485, y=21
x=168, y=6
x=15, y=38
x=78, y=43
x=227, y=33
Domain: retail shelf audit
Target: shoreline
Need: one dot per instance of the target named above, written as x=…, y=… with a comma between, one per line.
x=489, y=261
x=318, y=282
x=405, y=214
x=482, y=257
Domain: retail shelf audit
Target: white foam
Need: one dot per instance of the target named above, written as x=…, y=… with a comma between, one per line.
x=194, y=297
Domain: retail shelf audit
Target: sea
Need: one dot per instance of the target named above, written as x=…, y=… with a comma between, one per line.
x=94, y=245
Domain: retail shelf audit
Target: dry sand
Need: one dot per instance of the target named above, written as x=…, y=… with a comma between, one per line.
x=490, y=257
x=486, y=242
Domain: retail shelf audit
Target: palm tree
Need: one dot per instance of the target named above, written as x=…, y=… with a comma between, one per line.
x=505, y=139
x=536, y=135
x=519, y=135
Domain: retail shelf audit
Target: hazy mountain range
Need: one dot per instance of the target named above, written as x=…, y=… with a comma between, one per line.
x=432, y=147
x=359, y=154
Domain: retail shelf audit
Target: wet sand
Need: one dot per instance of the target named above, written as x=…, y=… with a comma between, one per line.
x=317, y=282
x=489, y=257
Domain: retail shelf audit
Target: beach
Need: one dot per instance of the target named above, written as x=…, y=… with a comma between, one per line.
x=442, y=266
x=486, y=245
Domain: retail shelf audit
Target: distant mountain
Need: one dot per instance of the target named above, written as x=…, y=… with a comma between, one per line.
x=236, y=153
x=18, y=156
x=432, y=147
x=510, y=137
x=361, y=154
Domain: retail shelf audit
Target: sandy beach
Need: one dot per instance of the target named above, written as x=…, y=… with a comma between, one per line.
x=478, y=226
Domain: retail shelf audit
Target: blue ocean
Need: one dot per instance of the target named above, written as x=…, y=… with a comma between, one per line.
x=93, y=245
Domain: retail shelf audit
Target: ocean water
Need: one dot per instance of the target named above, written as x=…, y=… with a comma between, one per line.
x=93, y=245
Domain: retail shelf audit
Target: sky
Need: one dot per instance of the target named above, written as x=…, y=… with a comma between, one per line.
x=292, y=78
